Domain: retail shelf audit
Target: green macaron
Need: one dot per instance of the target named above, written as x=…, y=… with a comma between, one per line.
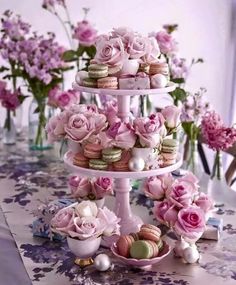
x=141, y=249
x=97, y=70
x=98, y=164
x=111, y=154
x=89, y=82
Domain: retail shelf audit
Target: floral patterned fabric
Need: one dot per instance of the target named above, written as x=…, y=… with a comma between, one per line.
x=28, y=179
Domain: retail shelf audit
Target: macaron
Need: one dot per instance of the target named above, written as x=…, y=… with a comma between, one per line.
x=80, y=160
x=144, y=67
x=114, y=70
x=144, y=249
x=92, y=150
x=108, y=83
x=111, y=154
x=158, y=81
x=98, y=70
x=98, y=164
x=169, y=146
x=160, y=245
x=168, y=158
x=89, y=82
x=135, y=236
x=149, y=232
x=124, y=244
x=123, y=163
x=159, y=68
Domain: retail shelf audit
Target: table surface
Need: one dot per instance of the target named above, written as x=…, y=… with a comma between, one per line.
x=28, y=179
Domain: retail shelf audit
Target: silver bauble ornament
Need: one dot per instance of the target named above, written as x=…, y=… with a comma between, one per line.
x=102, y=262
x=136, y=164
x=191, y=254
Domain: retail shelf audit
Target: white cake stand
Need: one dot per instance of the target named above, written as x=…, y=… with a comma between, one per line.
x=129, y=222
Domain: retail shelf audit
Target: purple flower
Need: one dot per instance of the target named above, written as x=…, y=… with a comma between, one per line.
x=178, y=68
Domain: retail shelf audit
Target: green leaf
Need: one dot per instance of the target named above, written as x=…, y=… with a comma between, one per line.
x=178, y=80
x=22, y=98
x=80, y=50
x=3, y=68
x=91, y=51
x=179, y=94
x=69, y=55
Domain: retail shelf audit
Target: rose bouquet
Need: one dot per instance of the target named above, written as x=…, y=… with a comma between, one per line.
x=179, y=205
x=84, y=221
x=91, y=189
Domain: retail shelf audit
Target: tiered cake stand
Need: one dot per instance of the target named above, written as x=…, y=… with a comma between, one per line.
x=129, y=222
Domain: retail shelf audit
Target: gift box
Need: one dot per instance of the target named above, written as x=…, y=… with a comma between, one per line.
x=127, y=82
x=142, y=81
x=214, y=227
x=44, y=214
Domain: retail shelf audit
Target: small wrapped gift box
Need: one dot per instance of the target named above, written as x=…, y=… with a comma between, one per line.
x=44, y=214
x=142, y=81
x=127, y=82
x=213, y=230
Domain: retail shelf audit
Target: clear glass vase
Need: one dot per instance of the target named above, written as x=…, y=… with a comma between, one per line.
x=9, y=130
x=38, y=117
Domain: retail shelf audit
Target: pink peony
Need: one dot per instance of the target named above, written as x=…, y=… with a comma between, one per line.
x=110, y=52
x=172, y=116
x=80, y=186
x=85, y=33
x=204, y=202
x=121, y=135
x=101, y=187
x=165, y=212
x=190, y=223
x=111, y=221
x=149, y=130
x=63, y=220
x=155, y=187
x=166, y=42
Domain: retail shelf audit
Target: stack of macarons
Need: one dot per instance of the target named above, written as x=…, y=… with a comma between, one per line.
x=169, y=150
x=145, y=244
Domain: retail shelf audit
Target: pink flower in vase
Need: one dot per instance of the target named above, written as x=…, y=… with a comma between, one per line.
x=152, y=51
x=155, y=187
x=85, y=33
x=3, y=86
x=165, y=212
x=52, y=96
x=204, y=202
x=80, y=186
x=190, y=223
x=172, y=116
x=137, y=46
x=122, y=135
x=63, y=220
x=166, y=42
x=9, y=100
x=67, y=98
x=111, y=221
x=101, y=187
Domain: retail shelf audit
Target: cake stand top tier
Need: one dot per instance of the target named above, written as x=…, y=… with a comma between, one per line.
x=68, y=160
x=121, y=92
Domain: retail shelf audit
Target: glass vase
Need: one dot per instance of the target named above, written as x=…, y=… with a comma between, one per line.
x=9, y=130
x=38, y=117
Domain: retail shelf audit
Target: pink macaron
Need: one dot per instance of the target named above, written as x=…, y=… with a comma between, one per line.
x=93, y=151
x=124, y=244
x=108, y=83
x=149, y=232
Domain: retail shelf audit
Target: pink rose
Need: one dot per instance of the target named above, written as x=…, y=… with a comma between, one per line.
x=122, y=135
x=52, y=96
x=180, y=194
x=67, y=98
x=165, y=212
x=101, y=187
x=152, y=51
x=87, y=227
x=100, y=122
x=190, y=223
x=137, y=46
x=166, y=42
x=85, y=33
x=148, y=129
x=9, y=100
x=110, y=111
x=80, y=186
x=111, y=221
x=110, y=52
x=172, y=116
x=204, y=202
x=192, y=180
x=63, y=220
x=79, y=128
x=155, y=187
x=55, y=127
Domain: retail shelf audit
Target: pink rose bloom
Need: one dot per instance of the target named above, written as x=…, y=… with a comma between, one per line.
x=100, y=122
x=152, y=51
x=149, y=129
x=166, y=42
x=165, y=212
x=101, y=187
x=52, y=96
x=204, y=202
x=9, y=100
x=67, y=98
x=111, y=221
x=79, y=128
x=85, y=33
x=172, y=116
x=55, y=127
x=180, y=194
x=110, y=111
x=80, y=186
x=110, y=52
x=155, y=187
x=87, y=227
x=190, y=223
x=63, y=220
x=137, y=46
x=122, y=135
x=190, y=178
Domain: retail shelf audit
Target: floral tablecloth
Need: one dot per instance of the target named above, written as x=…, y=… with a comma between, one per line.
x=28, y=179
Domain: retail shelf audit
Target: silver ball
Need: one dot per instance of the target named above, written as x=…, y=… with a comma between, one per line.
x=136, y=164
x=102, y=262
x=191, y=254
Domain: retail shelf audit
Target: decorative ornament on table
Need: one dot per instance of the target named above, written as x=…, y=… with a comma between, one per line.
x=102, y=262
x=219, y=138
x=84, y=224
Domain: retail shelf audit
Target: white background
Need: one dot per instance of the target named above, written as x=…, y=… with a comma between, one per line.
x=204, y=31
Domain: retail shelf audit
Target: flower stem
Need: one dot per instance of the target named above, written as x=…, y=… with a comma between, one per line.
x=65, y=28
